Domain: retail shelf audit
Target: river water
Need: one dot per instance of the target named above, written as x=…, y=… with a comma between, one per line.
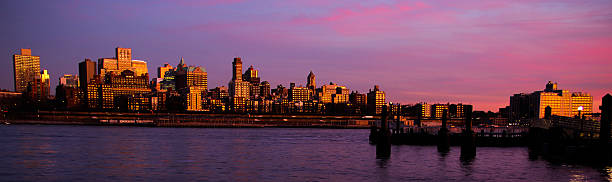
x=111, y=153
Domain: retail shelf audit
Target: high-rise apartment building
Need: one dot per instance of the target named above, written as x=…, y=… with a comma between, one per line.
x=26, y=68
x=424, y=110
x=438, y=109
x=299, y=94
x=376, y=100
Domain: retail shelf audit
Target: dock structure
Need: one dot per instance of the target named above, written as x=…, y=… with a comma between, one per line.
x=468, y=145
x=443, y=140
x=383, y=136
x=606, y=128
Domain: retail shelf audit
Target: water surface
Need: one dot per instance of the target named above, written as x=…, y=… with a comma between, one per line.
x=110, y=153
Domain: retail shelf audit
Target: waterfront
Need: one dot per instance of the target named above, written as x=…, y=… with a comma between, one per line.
x=112, y=153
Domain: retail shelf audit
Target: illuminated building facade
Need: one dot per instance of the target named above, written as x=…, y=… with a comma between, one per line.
x=191, y=76
x=561, y=102
x=194, y=96
x=299, y=94
x=376, y=100
x=26, y=68
x=438, y=109
x=311, y=82
x=424, y=110
x=139, y=67
x=121, y=62
x=161, y=71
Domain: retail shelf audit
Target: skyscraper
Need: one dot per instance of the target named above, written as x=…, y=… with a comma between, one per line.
x=239, y=90
x=310, y=81
x=124, y=58
x=237, y=69
x=139, y=67
x=191, y=76
x=25, y=69
x=87, y=70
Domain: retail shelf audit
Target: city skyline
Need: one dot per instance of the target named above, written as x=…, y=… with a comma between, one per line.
x=565, y=44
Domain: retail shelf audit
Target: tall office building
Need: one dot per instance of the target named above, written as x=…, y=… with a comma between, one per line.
x=139, y=67
x=238, y=87
x=239, y=90
x=25, y=69
x=190, y=76
x=161, y=71
x=376, y=100
x=310, y=81
x=68, y=80
x=124, y=58
x=561, y=102
x=121, y=62
x=87, y=71
x=237, y=69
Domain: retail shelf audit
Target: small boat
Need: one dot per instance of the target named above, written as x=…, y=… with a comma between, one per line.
x=7, y=123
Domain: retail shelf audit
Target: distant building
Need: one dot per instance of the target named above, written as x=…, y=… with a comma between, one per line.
x=121, y=62
x=161, y=71
x=311, y=82
x=26, y=68
x=264, y=89
x=438, y=109
x=191, y=76
x=239, y=90
x=194, y=96
x=123, y=92
x=358, y=102
x=139, y=67
x=299, y=94
x=455, y=110
x=562, y=103
x=87, y=71
x=69, y=80
x=376, y=100
x=424, y=110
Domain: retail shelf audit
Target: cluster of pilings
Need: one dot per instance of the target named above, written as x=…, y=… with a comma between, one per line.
x=381, y=136
x=545, y=142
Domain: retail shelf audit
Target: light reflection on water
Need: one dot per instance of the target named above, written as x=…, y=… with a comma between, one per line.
x=86, y=153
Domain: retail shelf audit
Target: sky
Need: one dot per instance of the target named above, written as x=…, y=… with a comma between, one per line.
x=473, y=52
